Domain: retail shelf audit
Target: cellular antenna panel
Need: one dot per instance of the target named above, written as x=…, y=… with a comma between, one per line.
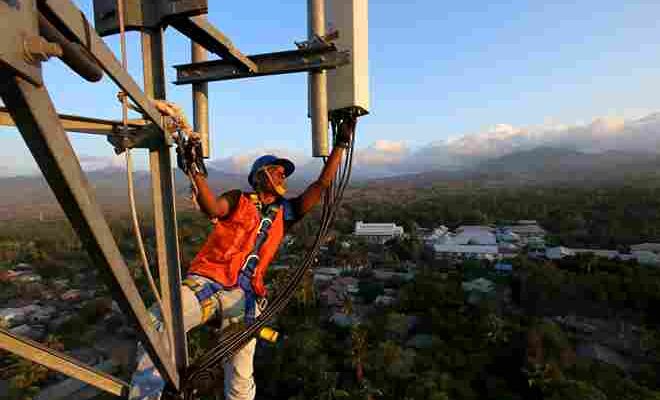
x=348, y=86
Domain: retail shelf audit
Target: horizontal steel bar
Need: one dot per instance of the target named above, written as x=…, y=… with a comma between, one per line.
x=284, y=62
x=74, y=123
x=199, y=30
x=38, y=122
x=69, y=17
x=60, y=362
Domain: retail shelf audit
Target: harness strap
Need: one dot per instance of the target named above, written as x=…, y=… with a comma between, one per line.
x=252, y=260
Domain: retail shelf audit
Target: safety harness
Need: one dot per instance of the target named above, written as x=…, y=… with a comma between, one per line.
x=268, y=213
x=207, y=290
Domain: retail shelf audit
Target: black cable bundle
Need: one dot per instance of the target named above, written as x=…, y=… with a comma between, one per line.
x=204, y=369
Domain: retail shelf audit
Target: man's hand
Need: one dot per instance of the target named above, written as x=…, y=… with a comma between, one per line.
x=345, y=132
x=176, y=118
x=189, y=157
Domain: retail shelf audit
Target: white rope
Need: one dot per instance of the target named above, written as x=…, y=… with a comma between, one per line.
x=129, y=164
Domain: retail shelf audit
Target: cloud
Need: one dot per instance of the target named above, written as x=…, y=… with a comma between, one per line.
x=386, y=157
x=382, y=152
x=241, y=163
x=92, y=163
x=601, y=135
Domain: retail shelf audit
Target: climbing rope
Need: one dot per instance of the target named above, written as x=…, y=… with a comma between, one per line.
x=208, y=367
x=129, y=163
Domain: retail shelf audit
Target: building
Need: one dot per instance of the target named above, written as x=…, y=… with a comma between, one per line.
x=507, y=236
x=14, y=316
x=384, y=300
x=478, y=289
x=535, y=243
x=28, y=277
x=504, y=267
x=325, y=275
x=525, y=230
x=646, y=257
x=27, y=331
x=464, y=235
x=652, y=247
x=42, y=315
x=456, y=252
x=482, y=285
x=436, y=234
x=474, y=235
x=11, y=316
x=71, y=295
x=508, y=250
x=559, y=252
x=377, y=232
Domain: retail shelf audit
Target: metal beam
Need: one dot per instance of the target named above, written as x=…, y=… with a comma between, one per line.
x=201, y=101
x=73, y=54
x=164, y=207
x=71, y=21
x=19, y=22
x=38, y=122
x=143, y=14
x=74, y=123
x=317, y=82
x=60, y=362
x=199, y=30
x=285, y=62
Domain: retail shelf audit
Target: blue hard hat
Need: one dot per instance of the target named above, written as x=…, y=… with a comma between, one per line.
x=270, y=159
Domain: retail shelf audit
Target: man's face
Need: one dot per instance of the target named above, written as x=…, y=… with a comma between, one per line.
x=276, y=173
x=276, y=177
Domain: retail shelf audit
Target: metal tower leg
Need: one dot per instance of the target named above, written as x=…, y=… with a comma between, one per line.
x=32, y=109
x=162, y=183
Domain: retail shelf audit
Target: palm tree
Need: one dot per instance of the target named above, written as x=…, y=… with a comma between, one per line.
x=347, y=307
x=358, y=351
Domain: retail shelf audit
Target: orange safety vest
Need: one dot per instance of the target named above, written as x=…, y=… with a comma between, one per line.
x=232, y=240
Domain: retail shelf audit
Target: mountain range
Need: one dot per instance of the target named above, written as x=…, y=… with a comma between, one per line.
x=30, y=196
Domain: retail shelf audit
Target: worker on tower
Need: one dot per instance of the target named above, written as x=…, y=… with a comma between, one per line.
x=225, y=279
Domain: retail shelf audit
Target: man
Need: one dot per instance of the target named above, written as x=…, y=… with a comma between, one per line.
x=226, y=276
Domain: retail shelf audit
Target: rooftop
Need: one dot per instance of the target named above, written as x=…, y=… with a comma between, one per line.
x=460, y=248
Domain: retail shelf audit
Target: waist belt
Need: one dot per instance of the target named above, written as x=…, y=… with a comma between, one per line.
x=206, y=291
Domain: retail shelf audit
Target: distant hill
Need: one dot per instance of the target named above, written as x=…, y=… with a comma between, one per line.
x=541, y=166
x=30, y=196
x=27, y=197
x=552, y=165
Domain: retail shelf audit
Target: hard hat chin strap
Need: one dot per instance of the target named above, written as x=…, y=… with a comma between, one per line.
x=264, y=182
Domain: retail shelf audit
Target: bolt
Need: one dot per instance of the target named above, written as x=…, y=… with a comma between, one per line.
x=37, y=49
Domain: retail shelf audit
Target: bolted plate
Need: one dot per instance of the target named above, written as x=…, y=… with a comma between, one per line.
x=143, y=14
x=18, y=21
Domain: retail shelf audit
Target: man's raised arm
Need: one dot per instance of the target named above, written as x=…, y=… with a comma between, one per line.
x=210, y=205
x=312, y=195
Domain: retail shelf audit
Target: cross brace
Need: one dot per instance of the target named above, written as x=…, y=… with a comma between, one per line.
x=60, y=362
x=199, y=30
x=74, y=123
x=284, y=62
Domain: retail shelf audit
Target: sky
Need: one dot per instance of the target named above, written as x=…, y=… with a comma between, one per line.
x=442, y=75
